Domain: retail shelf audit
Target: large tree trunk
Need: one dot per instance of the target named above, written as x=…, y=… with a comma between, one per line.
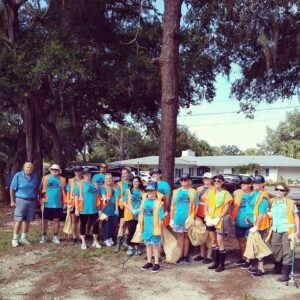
x=122, y=142
x=169, y=69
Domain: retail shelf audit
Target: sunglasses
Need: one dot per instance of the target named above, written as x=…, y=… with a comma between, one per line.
x=217, y=181
x=280, y=190
x=103, y=167
x=184, y=179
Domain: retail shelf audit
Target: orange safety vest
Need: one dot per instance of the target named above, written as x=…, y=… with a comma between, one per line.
x=81, y=196
x=127, y=213
x=237, y=196
x=192, y=207
x=44, y=189
x=214, y=211
x=290, y=215
x=71, y=197
x=201, y=207
x=108, y=194
x=157, y=205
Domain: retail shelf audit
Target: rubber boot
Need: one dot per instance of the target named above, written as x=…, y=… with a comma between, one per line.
x=216, y=257
x=286, y=270
x=221, y=266
x=125, y=242
x=118, y=244
x=277, y=268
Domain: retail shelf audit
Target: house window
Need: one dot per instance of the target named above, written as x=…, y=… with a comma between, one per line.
x=202, y=170
x=178, y=172
x=267, y=172
x=191, y=171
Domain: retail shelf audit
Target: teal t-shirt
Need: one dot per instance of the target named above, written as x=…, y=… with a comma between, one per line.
x=280, y=216
x=182, y=208
x=136, y=199
x=147, y=233
x=89, y=198
x=246, y=209
x=53, y=192
x=99, y=179
x=109, y=210
x=163, y=187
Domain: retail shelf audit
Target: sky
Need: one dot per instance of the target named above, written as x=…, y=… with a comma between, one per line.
x=232, y=128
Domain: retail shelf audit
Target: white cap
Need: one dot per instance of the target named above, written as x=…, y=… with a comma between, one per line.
x=55, y=167
x=207, y=175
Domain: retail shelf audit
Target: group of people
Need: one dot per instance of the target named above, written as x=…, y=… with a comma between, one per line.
x=129, y=207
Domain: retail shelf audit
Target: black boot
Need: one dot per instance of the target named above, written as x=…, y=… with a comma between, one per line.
x=125, y=242
x=277, y=268
x=118, y=244
x=286, y=270
x=216, y=258
x=221, y=266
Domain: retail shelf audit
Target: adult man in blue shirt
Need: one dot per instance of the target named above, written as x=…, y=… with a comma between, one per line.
x=23, y=197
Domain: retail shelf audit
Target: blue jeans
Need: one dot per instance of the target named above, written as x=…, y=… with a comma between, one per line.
x=109, y=227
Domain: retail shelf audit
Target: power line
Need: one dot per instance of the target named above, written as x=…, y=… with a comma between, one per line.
x=235, y=112
x=232, y=123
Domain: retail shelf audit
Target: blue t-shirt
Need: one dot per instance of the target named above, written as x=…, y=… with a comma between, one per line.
x=163, y=187
x=182, y=208
x=148, y=219
x=99, y=179
x=136, y=199
x=109, y=210
x=118, y=190
x=246, y=209
x=53, y=192
x=24, y=187
x=90, y=194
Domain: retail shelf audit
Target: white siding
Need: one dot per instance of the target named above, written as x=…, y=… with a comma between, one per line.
x=289, y=173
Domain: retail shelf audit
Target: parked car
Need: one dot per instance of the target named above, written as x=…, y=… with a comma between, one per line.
x=232, y=182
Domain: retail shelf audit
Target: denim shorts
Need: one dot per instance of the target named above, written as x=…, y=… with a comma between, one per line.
x=241, y=232
x=25, y=210
x=154, y=240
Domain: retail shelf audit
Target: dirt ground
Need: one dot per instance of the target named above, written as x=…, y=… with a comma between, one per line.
x=65, y=272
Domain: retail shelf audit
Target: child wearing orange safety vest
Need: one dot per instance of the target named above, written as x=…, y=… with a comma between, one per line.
x=53, y=199
x=150, y=222
x=183, y=206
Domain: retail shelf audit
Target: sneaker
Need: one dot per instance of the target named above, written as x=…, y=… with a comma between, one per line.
x=198, y=258
x=252, y=270
x=111, y=241
x=15, y=243
x=55, y=239
x=239, y=262
x=258, y=273
x=107, y=243
x=43, y=239
x=24, y=241
x=246, y=266
x=207, y=261
x=147, y=266
x=155, y=269
x=179, y=261
x=96, y=244
x=137, y=251
x=186, y=260
x=130, y=251
x=83, y=246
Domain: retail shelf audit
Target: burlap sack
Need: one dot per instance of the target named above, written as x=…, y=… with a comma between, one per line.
x=170, y=245
x=197, y=233
x=68, y=223
x=137, y=237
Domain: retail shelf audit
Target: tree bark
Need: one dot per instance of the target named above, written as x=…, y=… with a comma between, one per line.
x=169, y=70
x=121, y=148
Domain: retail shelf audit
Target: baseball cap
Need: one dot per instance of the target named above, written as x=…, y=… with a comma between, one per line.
x=246, y=180
x=55, y=167
x=86, y=170
x=185, y=176
x=151, y=186
x=258, y=179
x=207, y=175
x=156, y=171
x=219, y=176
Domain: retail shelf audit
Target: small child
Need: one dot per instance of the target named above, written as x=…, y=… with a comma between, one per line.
x=150, y=222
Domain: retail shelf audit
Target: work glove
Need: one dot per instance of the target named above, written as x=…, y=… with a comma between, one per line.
x=253, y=229
x=216, y=221
x=171, y=223
x=77, y=213
x=116, y=212
x=209, y=221
x=69, y=207
x=269, y=214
